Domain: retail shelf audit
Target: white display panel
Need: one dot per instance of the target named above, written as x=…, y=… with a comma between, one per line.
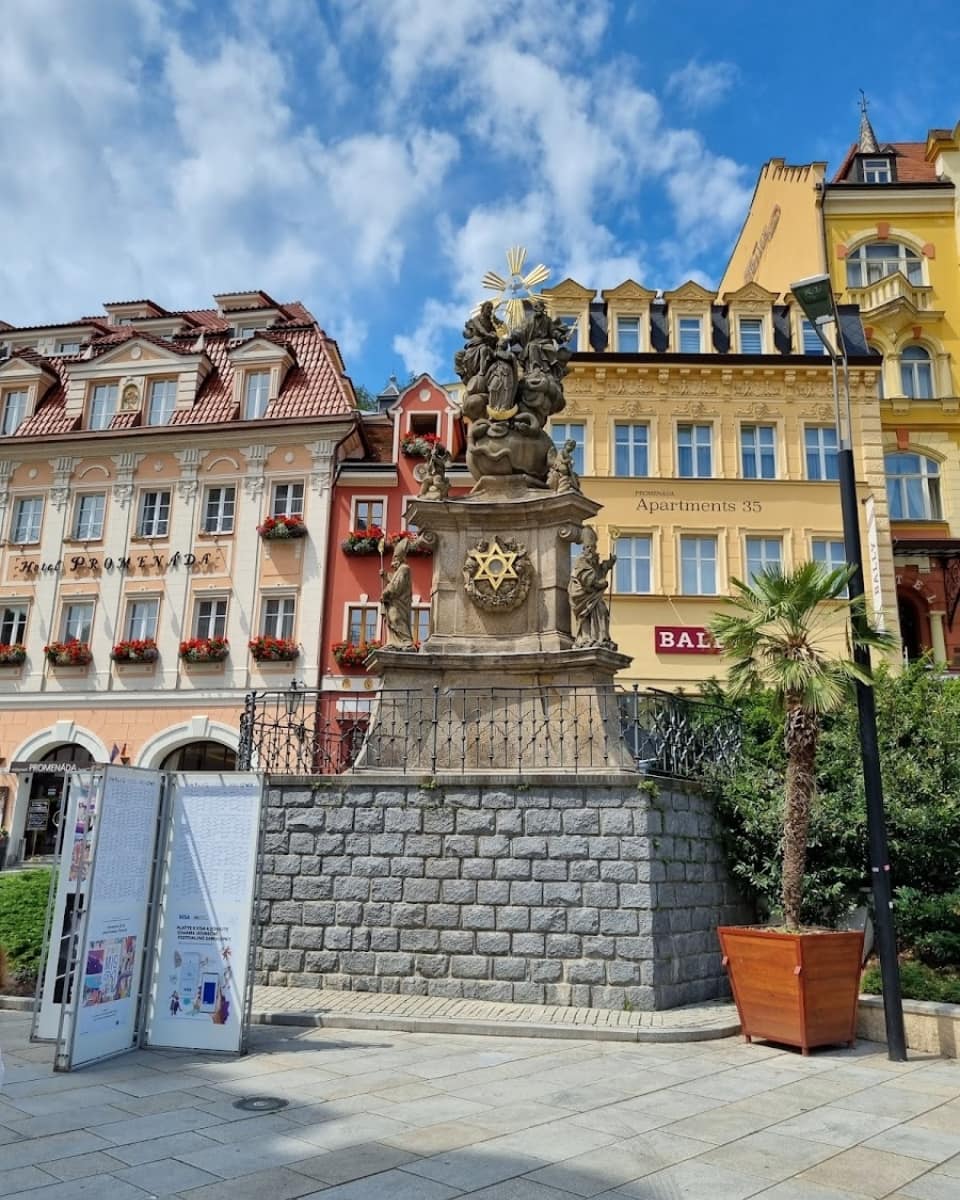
x=202, y=948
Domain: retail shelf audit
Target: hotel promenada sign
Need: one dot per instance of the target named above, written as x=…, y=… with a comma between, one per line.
x=75, y=563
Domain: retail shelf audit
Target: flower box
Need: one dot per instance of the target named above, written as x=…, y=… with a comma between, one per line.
x=365, y=541
x=68, y=654
x=273, y=649
x=415, y=543
x=205, y=650
x=418, y=445
x=352, y=655
x=136, y=650
x=12, y=654
x=276, y=529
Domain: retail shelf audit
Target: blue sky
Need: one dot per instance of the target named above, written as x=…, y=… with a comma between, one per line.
x=374, y=157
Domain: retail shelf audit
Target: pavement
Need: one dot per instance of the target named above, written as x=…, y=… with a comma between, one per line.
x=388, y=1115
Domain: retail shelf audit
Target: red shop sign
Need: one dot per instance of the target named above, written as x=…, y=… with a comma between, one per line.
x=684, y=639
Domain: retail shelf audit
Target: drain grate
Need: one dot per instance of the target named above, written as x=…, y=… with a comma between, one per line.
x=260, y=1103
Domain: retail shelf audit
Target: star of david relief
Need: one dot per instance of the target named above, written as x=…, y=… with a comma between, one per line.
x=497, y=574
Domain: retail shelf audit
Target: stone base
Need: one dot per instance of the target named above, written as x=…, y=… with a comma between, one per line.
x=592, y=892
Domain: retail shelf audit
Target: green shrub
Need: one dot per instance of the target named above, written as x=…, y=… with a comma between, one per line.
x=23, y=909
x=917, y=982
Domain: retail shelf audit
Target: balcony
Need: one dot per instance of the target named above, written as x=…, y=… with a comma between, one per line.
x=891, y=294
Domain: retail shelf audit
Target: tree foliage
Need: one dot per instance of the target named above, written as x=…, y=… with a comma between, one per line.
x=23, y=908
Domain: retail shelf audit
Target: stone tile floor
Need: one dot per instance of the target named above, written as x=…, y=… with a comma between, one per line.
x=376, y=1115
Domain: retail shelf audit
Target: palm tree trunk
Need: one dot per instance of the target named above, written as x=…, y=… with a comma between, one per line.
x=801, y=733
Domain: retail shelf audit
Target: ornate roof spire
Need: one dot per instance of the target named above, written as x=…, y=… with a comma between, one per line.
x=868, y=139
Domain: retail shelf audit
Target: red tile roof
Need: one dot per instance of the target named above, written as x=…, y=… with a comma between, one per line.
x=912, y=165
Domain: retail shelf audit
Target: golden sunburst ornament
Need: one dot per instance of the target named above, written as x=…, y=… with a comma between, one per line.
x=516, y=288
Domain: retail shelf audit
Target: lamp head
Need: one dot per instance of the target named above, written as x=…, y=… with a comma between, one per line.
x=292, y=698
x=815, y=296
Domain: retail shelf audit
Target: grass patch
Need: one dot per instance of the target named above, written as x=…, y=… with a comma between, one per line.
x=917, y=982
x=23, y=907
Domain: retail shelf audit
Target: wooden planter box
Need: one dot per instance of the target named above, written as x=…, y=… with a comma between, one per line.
x=798, y=989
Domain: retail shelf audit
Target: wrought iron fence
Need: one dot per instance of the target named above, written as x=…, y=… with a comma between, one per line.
x=300, y=731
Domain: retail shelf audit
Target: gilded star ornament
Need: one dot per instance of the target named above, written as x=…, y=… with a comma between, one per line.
x=515, y=289
x=495, y=564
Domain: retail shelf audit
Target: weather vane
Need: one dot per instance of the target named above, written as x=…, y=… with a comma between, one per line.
x=515, y=289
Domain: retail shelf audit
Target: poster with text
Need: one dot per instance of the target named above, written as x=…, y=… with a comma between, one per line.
x=203, y=940
x=111, y=957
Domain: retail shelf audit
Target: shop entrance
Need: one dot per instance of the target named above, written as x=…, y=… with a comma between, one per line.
x=42, y=829
x=911, y=629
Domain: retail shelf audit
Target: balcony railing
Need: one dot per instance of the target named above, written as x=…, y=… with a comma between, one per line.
x=516, y=731
x=889, y=290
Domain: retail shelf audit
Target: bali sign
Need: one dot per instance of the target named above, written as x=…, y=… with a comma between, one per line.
x=683, y=639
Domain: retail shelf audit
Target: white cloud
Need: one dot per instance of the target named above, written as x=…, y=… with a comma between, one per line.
x=700, y=86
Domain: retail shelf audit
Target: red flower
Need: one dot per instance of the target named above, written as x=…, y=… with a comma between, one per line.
x=273, y=649
x=214, y=649
x=352, y=654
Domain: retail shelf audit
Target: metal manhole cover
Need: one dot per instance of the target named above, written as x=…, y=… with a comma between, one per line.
x=260, y=1103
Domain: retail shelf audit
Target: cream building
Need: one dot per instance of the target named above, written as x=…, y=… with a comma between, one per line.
x=141, y=454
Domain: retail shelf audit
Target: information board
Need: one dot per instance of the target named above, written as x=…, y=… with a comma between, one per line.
x=206, y=896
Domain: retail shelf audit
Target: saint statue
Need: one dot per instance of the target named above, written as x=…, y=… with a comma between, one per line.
x=434, y=484
x=562, y=477
x=481, y=337
x=502, y=383
x=588, y=585
x=396, y=599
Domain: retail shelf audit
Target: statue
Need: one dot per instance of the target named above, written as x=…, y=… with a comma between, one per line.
x=434, y=484
x=562, y=477
x=473, y=362
x=396, y=600
x=588, y=584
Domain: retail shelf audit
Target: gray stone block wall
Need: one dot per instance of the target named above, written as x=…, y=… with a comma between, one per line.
x=601, y=891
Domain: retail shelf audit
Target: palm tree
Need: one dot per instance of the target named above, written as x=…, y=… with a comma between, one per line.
x=783, y=638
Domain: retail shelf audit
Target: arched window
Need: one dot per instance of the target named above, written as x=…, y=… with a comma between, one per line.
x=916, y=373
x=870, y=263
x=913, y=487
x=200, y=756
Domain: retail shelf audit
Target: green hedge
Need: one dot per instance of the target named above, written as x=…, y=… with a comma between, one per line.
x=917, y=982
x=23, y=908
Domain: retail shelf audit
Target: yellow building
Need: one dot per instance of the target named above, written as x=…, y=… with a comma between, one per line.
x=886, y=229
x=707, y=432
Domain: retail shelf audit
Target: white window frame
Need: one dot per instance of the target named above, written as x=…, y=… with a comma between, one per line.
x=365, y=608
x=757, y=450
x=100, y=420
x=760, y=331
x=418, y=612
x=14, y=616
x=827, y=557
x=222, y=522
x=290, y=507
x=632, y=445
x=628, y=562
x=913, y=370
x=875, y=167
x=756, y=555
x=281, y=623
x=695, y=447
x=699, y=561
x=65, y=349
x=627, y=319
x=95, y=534
x=822, y=452
x=14, y=417
x=133, y=603
x=205, y=626
x=573, y=323
x=249, y=399
x=34, y=530
x=580, y=453
x=689, y=319
x=155, y=532
x=810, y=343
x=166, y=412
x=899, y=257
x=355, y=512
x=67, y=608
x=407, y=524
x=929, y=476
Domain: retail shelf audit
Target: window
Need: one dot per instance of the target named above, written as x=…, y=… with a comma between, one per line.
x=13, y=624
x=751, y=335
x=27, y=519
x=257, y=395
x=762, y=554
x=876, y=170
x=287, y=500
x=68, y=348
x=810, y=338
x=571, y=432
x=758, y=455
x=424, y=423
x=572, y=322
x=820, y=443
x=154, y=520
x=407, y=522
x=631, y=449
x=142, y=619
x=14, y=410
x=103, y=405
x=277, y=618
x=367, y=514
x=916, y=373
x=698, y=566
x=363, y=620
x=830, y=552
x=872, y=262
x=628, y=335
x=690, y=334
x=694, y=451
x=421, y=623
x=77, y=622
x=913, y=487
x=88, y=517
x=163, y=398
x=210, y=618
x=218, y=509
x=633, y=566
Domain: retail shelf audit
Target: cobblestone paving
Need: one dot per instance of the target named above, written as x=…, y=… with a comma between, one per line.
x=375, y=1115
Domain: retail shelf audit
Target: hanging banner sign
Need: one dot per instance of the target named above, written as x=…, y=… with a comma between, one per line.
x=683, y=639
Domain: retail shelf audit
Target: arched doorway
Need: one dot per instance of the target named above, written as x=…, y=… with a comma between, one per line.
x=200, y=756
x=42, y=829
x=916, y=641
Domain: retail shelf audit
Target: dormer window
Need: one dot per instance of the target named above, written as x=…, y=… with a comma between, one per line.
x=14, y=411
x=810, y=338
x=751, y=335
x=628, y=335
x=163, y=399
x=68, y=348
x=257, y=395
x=572, y=322
x=103, y=405
x=877, y=170
x=690, y=334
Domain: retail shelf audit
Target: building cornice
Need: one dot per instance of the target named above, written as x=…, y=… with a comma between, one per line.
x=869, y=198
x=193, y=698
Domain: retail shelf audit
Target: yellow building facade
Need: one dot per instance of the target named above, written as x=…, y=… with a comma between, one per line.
x=705, y=431
x=886, y=229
